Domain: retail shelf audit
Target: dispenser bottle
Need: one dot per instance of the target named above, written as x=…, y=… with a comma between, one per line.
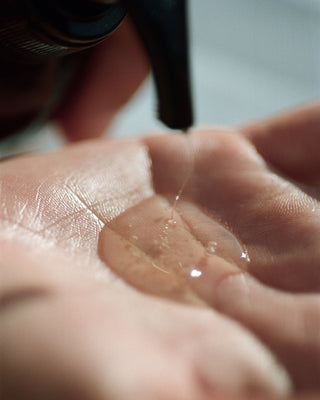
x=38, y=38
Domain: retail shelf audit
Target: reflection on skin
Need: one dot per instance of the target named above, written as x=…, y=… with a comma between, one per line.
x=60, y=203
x=174, y=260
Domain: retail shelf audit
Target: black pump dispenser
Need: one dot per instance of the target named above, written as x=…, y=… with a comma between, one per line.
x=163, y=27
x=35, y=33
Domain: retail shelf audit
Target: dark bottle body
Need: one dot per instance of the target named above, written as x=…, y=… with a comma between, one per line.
x=37, y=40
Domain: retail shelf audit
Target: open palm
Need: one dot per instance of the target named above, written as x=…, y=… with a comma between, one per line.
x=242, y=239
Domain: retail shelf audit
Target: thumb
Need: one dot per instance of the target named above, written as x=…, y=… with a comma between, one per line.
x=112, y=72
x=290, y=142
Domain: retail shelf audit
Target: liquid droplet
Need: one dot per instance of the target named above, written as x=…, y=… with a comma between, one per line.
x=212, y=247
x=229, y=248
x=171, y=222
x=195, y=273
x=245, y=256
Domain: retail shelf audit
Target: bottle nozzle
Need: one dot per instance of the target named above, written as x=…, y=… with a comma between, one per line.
x=162, y=25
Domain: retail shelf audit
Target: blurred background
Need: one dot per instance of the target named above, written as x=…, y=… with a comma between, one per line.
x=250, y=59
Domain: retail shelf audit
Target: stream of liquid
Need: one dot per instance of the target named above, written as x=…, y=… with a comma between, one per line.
x=190, y=153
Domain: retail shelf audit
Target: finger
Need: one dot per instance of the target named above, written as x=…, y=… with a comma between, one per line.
x=290, y=142
x=112, y=73
x=83, y=340
x=270, y=216
x=288, y=324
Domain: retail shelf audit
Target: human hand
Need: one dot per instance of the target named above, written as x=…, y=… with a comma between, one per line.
x=86, y=336
x=108, y=77
x=59, y=203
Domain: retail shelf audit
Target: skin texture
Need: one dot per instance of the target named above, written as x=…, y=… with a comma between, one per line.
x=100, y=321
